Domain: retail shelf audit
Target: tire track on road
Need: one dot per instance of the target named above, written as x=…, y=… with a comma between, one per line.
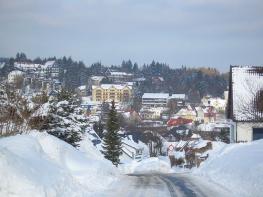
x=170, y=187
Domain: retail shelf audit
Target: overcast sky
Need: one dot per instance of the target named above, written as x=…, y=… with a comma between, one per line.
x=213, y=33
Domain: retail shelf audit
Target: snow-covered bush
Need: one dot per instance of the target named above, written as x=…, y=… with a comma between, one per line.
x=18, y=113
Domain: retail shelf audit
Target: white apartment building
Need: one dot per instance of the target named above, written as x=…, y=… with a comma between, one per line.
x=155, y=100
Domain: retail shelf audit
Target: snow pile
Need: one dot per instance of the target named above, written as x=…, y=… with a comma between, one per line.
x=149, y=165
x=39, y=164
x=128, y=140
x=238, y=167
x=212, y=126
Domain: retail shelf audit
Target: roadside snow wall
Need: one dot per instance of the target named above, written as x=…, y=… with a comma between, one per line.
x=238, y=167
x=39, y=165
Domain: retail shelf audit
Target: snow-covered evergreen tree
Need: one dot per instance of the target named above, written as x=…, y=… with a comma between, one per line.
x=112, y=141
x=65, y=119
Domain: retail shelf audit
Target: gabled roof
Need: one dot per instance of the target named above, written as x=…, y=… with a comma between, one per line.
x=246, y=84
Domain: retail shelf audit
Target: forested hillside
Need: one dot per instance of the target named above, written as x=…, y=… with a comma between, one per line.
x=196, y=82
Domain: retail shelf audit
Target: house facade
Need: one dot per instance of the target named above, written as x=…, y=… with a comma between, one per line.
x=245, y=107
x=154, y=100
x=187, y=113
x=151, y=113
x=109, y=92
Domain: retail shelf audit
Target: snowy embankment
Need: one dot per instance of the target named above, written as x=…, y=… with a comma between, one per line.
x=237, y=167
x=149, y=165
x=39, y=164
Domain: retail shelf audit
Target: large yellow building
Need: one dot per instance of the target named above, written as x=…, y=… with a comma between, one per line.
x=109, y=92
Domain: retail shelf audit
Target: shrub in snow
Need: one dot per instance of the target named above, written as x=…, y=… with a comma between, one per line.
x=18, y=113
x=176, y=162
x=179, y=161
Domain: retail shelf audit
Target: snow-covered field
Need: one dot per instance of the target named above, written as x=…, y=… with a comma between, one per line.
x=39, y=164
x=237, y=167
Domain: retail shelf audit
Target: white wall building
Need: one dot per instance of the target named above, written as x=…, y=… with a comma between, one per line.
x=155, y=99
x=245, y=103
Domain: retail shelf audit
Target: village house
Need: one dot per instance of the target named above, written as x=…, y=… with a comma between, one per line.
x=245, y=104
x=118, y=77
x=40, y=77
x=82, y=91
x=151, y=113
x=206, y=114
x=218, y=103
x=44, y=71
x=187, y=113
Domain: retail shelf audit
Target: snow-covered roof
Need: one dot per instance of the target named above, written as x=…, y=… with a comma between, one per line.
x=178, y=96
x=247, y=82
x=216, y=102
x=82, y=87
x=186, y=111
x=97, y=78
x=129, y=83
x=115, y=73
x=32, y=66
x=140, y=79
x=49, y=63
x=108, y=86
x=156, y=95
x=160, y=78
x=16, y=72
x=26, y=65
x=195, y=135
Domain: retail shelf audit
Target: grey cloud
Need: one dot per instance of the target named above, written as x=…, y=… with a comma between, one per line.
x=174, y=31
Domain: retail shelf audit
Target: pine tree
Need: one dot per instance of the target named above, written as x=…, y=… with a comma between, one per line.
x=112, y=141
x=63, y=120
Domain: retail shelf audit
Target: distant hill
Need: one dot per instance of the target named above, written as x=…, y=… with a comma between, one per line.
x=159, y=77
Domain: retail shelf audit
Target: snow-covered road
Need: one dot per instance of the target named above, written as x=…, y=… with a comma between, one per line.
x=178, y=185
